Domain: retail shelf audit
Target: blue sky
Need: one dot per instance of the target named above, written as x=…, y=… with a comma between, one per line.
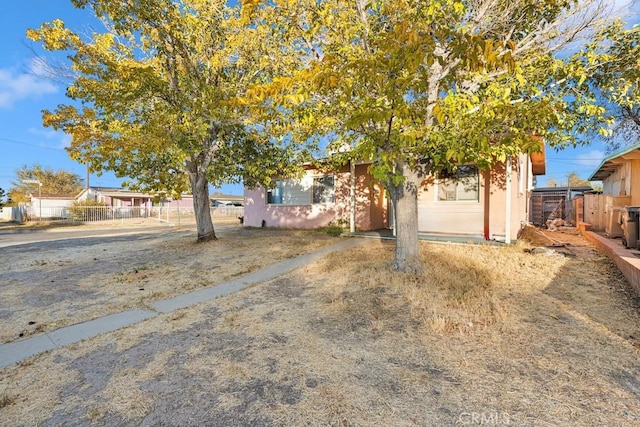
x=24, y=141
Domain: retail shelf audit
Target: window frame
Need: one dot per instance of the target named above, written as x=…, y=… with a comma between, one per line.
x=270, y=191
x=320, y=188
x=318, y=192
x=456, y=178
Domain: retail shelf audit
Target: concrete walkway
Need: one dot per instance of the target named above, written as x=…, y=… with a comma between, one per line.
x=17, y=351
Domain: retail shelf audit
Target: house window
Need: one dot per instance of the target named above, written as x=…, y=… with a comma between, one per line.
x=306, y=191
x=459, y=185
x=323, y=189
x=274, y=195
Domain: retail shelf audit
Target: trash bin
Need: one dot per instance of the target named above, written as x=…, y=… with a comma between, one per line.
x=630, y=226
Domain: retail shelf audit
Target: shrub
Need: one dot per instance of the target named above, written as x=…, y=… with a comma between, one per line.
x=334, y=229
x=88, y=210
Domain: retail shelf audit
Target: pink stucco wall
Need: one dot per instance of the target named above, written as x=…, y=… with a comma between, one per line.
x=185, y=202
x=519, y=199
x=370, y=211
x=485, y=217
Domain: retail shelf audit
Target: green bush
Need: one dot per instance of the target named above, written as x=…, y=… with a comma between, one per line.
x=88, y=210
x=334, y=229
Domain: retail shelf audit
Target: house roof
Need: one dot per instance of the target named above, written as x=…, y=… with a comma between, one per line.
x=539, y=159
x=578, y=189
x=52, y=196
x=610, y=164
x=117, y=192
x=229, y=197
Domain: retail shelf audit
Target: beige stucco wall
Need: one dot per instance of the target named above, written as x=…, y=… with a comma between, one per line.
x=625, y=181
x=468, y=218
x=449, y=217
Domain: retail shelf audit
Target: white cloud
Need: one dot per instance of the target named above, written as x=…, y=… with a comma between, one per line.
x=62, y=139
x=626, y=10
x=65, y=140
x=18, y=86
x=47, y=134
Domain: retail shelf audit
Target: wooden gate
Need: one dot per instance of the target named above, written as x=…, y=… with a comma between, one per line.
x=548, y=205
x=595, y=211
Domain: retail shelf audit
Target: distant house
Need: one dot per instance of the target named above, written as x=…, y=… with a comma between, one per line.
x=122, y=201
x=490, y=204
x=620, y=174
x=219, y=199
x=50, y=205
x=123, y=198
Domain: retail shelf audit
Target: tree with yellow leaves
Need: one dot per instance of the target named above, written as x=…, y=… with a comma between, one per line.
x=157, y=94
x=423, y=86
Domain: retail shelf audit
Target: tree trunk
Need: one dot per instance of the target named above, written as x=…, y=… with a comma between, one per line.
x=405, y=206
x=201, y=206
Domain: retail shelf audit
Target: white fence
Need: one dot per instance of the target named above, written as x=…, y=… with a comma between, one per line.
x=14, y=213
x=98, y=214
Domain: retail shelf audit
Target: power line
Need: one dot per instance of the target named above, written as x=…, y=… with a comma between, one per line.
x=569, y=158
x=13, y=141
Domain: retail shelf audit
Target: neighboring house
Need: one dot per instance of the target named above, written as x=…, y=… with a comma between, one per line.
x=122, y=198
x=124, y=202
x=218, y=199
x=620, y=176
x=50, y=206
x=485, y=204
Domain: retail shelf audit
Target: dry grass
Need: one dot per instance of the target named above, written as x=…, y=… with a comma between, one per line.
x=461, y=289
x=46, y=286
x=486, y=333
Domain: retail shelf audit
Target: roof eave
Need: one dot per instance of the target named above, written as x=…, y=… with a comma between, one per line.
x=601, y=172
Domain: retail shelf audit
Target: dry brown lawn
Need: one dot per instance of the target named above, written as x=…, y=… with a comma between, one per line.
x=48, y=285
x=488, y=335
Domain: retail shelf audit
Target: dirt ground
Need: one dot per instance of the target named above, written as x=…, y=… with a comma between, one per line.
x=51, y=284
x=487, y=335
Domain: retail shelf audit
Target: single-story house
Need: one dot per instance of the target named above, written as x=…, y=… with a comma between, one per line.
x=491, y=205
x=50, y=205
x=122, y=198
x=124, y=202
x=620, y=174
x=219, y=199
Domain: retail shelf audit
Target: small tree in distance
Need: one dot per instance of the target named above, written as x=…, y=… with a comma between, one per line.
x=552, y=182
x=574, y=180
x=58, y=182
